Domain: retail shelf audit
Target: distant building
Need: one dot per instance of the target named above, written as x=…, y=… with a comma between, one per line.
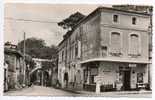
x=108, y=50
x=14, y=67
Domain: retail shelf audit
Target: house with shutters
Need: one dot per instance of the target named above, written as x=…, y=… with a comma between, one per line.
x=107, y=50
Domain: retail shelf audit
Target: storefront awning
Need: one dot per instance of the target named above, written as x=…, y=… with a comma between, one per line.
x=116, y=60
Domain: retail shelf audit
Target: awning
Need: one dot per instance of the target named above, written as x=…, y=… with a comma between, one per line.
x=116, y=60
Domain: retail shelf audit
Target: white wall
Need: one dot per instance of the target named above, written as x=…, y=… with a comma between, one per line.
x=108, y=71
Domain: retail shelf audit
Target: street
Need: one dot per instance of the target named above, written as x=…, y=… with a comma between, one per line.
x=39, y=91
x=49, y=91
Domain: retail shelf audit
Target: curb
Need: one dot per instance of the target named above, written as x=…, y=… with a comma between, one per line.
x=69, y=90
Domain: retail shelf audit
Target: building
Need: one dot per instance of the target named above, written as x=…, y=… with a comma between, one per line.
x=107, y=50
x=13, y=68
x=5, y=77
x=149, y=10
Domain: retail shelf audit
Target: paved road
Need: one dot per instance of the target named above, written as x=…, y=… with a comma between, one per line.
x=49, y=91
x=39, y=91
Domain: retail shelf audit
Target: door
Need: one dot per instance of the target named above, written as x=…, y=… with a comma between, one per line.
x=126, y=83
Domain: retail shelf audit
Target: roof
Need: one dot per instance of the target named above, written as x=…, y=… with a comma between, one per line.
x=12, y=51
x=65, y=37
x=96, y=11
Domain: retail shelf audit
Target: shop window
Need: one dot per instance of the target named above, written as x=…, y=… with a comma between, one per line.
x=92, y=79
x=85, y=75
x=93, y=73
x=139, y=77
x=115, y=18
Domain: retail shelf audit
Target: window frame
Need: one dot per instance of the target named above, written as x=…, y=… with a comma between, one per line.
x=129, y=42
x=103, y=48
x=140, y=75
x=121, y=41
x=113, y=18
x=134, y=20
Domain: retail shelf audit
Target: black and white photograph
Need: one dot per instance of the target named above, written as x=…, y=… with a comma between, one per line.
x=78, y=50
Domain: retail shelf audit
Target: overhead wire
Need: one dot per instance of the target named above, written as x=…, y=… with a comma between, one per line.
x=30, y=20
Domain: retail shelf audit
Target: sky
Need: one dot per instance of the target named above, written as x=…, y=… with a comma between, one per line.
x=47, y=14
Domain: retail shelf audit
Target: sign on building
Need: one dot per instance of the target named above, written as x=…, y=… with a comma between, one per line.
x=132, y=65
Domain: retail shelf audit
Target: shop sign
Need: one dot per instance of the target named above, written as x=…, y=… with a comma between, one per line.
x=132, y=65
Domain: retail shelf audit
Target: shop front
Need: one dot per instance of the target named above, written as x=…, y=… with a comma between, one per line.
x=110, y=76
x=90, y=71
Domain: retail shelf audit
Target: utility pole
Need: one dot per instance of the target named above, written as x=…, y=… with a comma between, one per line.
x=24, y=60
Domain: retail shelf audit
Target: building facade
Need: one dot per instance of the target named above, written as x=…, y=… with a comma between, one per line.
x=107, y=50
x=13, y=68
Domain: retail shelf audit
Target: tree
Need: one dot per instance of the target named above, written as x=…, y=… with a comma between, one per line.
x=37, y=48
x=71, y=21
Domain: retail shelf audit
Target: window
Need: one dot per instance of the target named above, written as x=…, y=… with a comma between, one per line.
x=115, y=18
x=115, y=42
x=79, y=49
x=104, y=51
x=62, y=55
x=134, y=44
x=139, y=77
x=73, y=51
x=76, y=50
x=134, y=20
x=93, y=73
x=85, y=75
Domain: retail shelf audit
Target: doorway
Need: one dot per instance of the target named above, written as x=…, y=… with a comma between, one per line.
x=126, y=81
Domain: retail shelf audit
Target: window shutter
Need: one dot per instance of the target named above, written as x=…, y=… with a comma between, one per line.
x=115, y=42
x=79, y=49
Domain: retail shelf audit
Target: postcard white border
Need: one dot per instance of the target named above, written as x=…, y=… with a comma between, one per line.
x=138, y=2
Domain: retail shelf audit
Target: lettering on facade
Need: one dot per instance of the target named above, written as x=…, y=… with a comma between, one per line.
x=132, y=65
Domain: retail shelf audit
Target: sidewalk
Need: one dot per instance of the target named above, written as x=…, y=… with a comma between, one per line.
x=118, y=92
x=108, y=93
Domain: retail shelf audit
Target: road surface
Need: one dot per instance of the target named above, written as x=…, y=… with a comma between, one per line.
x=49, y=91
